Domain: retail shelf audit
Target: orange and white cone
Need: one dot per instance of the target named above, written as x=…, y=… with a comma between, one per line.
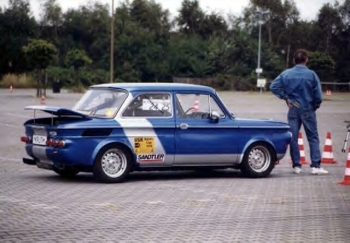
x=301, y=149
x=42, y=100
x=327, y=155
x=11, y=88
x=346, y=180
x=328, y=93
x=195, y=106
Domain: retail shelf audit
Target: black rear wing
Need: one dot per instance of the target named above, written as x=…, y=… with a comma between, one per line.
x=56, y=111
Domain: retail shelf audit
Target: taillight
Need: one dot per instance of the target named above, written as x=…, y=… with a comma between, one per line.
x=55, y=142
x=25, y=139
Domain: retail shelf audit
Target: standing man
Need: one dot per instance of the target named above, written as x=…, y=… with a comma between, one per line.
x=300, y=87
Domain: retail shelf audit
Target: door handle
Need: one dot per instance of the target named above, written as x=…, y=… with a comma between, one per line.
x=183, y=126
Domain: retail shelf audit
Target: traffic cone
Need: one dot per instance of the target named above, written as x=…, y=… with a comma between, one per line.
x=11, y=88
x=301, y=148
x=346, y=180
x=195, y=106
x=328, y=92
x=42, y=100
x=327, y=155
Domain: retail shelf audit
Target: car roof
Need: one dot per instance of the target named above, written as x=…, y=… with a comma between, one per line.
x=156, y=86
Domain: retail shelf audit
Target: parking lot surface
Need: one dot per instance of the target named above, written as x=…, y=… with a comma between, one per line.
x=221, y=206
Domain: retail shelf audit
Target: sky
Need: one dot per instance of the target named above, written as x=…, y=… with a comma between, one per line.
x=308, y=8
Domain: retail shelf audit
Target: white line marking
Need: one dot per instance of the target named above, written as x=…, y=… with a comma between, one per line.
x=18, y=115
x=9, y=125
x=10, y=159
x=156, y=202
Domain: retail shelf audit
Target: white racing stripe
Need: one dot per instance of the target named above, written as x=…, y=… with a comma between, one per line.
x=141, y=128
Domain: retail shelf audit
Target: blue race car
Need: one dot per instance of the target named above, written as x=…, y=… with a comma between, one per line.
x=115, y=129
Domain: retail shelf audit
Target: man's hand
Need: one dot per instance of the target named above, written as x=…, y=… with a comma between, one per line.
x=288, y=103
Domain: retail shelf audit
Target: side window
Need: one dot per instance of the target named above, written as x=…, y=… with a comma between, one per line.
x=196, y=106
x=150, y=105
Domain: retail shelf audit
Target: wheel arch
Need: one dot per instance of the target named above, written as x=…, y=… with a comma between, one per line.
x=255, y=141
x=102, y=146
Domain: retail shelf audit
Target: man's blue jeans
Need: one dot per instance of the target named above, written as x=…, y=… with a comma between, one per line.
x=307, y=118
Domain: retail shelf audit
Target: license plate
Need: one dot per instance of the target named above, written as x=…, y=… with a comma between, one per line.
x=39, y=139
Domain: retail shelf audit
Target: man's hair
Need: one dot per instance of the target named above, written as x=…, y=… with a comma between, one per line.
x=300, y=56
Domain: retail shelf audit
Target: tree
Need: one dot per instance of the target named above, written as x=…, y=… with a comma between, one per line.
x=278, y=24
x=51, y=20
x=328, y=24
x=40, y=54
x=77, y=59
x=190, y=18
x=322, y=64
x=16, y=26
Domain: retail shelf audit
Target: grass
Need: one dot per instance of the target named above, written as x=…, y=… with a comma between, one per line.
x=22, y=81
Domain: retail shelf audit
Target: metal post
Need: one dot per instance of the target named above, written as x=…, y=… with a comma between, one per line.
x=258, y=70
x=112, y=45
x=259, y=51
x=259, y=48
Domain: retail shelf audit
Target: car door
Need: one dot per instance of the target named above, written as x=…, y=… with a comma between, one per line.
x=200, y=140
x=149, y=124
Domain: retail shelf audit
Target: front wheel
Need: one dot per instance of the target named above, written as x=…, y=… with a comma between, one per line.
x=258, y=161
x=112, y=164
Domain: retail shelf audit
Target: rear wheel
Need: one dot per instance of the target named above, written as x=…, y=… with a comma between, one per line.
x=66, y=173
x=112, y=164
x=258, y=161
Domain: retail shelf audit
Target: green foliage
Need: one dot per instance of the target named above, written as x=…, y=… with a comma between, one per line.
x=39, y=53
x=16, y=26
x=322, y=64
x=77, y=59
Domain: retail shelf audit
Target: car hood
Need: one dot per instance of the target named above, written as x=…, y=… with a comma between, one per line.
x=57, y=111
x=261, y=122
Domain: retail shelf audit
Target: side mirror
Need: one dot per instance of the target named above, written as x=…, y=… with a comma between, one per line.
x=215, y=116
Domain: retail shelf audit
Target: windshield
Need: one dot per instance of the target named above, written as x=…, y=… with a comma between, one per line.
x=102, y=103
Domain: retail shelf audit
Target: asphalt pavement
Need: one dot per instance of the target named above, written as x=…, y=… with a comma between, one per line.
x=38, y=206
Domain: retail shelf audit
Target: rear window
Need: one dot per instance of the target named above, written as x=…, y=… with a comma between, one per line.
x=103, y=103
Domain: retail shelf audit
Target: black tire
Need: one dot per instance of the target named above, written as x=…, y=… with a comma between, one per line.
x=115, y=171
x=66, y=173
x=263, y=156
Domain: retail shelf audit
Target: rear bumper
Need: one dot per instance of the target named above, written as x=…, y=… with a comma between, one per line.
x=50, y=165
x=70, y=156
x=29, y=161
x=40, y=164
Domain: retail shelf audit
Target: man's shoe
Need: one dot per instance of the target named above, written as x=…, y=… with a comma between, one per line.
x=318, y=171
x=297, y=170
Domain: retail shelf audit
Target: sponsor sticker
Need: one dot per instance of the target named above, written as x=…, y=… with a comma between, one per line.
x=150, y=157
x=156, y=104
x=144, y=145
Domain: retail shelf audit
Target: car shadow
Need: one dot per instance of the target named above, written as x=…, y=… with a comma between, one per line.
x=153, y=176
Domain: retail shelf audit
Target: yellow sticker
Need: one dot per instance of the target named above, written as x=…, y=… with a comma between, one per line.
x=144, y=145
x=109, y=113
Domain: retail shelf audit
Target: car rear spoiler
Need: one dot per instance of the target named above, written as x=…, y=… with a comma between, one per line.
x=57, y=111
